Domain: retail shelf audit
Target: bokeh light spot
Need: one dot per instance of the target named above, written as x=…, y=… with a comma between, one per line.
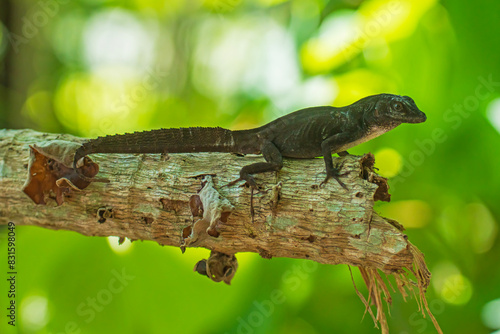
x=356, y=84
x=345, y=34
x=491, y=314
x=483, y=227
x=393, y=19
x=38, y=108
x=230, y=58
x=457, y=290
x=318, y=91
x=269, y=2
x=441, y=272
x=306, y=9
x=118, y=38
x=389, y=162
x=377, y=50
x=108, y=101
x=493, y=112
x=171, y=7
x=34, y=312
x=66, y=37
x=411, y=213
x=333, y=45
x=115, y=246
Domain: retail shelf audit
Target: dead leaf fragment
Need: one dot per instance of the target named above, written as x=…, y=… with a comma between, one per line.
x=219, y=267
x=50, y=171
x=367, y=162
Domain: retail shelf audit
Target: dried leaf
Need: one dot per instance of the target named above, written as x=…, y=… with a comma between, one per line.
x=367, y=162
x=50, y=171
x=219, y=267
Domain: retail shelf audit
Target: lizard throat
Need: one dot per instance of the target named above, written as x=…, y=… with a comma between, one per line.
x=372, y=132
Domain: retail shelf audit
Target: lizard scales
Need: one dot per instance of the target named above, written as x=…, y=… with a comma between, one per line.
x=305, y=133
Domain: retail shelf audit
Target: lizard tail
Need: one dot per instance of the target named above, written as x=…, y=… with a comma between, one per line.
x=177, y=140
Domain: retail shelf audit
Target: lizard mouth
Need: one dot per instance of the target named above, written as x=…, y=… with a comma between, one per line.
x=420, y=118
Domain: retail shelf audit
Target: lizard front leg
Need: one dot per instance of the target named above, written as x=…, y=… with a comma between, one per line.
x=329, y=145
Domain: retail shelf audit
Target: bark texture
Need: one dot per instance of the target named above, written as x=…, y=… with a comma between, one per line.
x=148, y=199
x=153, y=197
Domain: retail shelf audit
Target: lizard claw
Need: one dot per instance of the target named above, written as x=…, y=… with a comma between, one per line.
x=335, y=175
x=342, y=184
x=339, y=166
x=251, y=183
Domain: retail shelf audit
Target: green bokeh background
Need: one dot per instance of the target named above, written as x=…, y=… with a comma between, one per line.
x=91, y=67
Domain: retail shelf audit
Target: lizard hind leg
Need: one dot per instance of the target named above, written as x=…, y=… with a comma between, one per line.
x=274, y=162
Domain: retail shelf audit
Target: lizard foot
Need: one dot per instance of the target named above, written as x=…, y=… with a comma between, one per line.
x=250, y=182
x=333, y=175
x=336, y=177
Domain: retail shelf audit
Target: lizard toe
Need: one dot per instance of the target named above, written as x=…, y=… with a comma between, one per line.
x=251, y=183
x=232, y=183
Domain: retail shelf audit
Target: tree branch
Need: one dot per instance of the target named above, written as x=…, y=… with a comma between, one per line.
x=149, y=198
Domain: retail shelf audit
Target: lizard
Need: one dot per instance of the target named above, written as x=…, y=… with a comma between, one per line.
x=306, y=133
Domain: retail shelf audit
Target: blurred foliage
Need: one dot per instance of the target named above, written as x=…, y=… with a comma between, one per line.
x=92, y=67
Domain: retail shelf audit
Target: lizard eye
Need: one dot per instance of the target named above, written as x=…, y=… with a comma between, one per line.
x=397, y=106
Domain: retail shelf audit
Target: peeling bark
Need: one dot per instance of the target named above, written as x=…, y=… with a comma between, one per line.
x=151, y=199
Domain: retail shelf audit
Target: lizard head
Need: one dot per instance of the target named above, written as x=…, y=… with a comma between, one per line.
x=398, y=109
